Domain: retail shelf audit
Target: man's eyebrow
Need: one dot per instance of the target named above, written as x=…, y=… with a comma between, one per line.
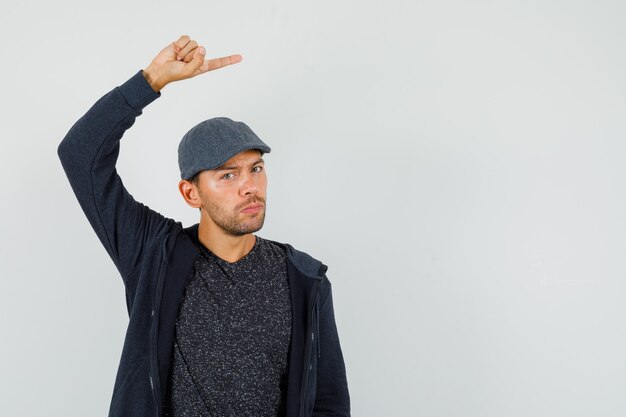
x=225, y=168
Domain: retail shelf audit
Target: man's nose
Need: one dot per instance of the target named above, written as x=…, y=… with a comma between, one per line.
x=248, y=185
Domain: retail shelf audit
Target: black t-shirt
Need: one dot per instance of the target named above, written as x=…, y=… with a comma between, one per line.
x=232, y=337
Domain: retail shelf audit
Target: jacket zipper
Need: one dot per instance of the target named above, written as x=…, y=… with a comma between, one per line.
x=307, y=351
x=153, y=341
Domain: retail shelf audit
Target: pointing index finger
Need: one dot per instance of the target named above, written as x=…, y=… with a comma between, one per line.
x=215, y=63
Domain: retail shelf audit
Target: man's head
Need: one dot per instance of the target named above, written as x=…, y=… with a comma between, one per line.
x=223, y=174
x=231, y=197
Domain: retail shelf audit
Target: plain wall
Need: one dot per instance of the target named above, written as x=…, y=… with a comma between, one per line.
x=459, y=166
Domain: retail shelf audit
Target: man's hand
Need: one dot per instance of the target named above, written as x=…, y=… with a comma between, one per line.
x=180, y=60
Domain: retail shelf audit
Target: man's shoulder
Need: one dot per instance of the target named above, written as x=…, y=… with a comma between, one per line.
x=301, y=260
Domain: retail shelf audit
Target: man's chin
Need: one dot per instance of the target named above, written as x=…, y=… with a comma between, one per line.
x=250, y=227
x=256, y=227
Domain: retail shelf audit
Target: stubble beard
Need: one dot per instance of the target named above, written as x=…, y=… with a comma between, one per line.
x=231, y=222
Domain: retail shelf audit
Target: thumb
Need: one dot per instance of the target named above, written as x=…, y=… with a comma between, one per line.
x=198, y=59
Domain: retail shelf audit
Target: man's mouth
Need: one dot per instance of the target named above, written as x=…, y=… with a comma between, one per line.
x=252, y=208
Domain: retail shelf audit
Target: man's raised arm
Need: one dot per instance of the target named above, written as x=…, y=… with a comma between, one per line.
x=90, y=150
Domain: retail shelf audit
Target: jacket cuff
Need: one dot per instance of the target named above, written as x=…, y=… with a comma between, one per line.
x=138, y=92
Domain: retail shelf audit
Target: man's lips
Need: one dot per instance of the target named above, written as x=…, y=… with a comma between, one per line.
x=252, y=208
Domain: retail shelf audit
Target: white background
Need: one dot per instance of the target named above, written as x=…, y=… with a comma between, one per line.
x=457, y=165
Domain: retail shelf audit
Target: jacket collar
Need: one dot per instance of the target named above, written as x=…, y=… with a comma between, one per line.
x=302, y=261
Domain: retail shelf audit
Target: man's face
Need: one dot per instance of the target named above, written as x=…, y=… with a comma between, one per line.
x=233, y=195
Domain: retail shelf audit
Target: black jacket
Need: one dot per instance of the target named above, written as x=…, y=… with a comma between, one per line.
x=153, y=254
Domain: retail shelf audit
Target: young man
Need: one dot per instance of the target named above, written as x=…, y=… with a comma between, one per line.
x=222, y=322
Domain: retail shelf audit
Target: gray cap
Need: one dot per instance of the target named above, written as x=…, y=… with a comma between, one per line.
x=212, y=142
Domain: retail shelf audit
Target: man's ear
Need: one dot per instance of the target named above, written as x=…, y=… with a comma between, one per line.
x=190, y=193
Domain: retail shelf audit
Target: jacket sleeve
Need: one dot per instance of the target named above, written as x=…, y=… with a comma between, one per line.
x=332, y=397
x=89, y=153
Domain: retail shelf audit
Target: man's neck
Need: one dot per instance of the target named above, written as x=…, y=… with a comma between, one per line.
x=227, y=247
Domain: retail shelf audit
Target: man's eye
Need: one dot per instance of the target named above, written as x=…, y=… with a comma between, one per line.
x=257, y=168
x=228, y=176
